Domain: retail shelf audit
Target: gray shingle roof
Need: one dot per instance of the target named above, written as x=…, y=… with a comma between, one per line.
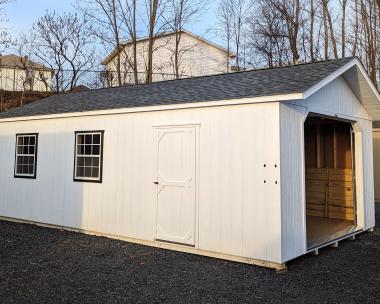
x=265, y=82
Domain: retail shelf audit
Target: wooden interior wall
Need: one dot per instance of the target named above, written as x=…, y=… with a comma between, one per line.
x=328, y=159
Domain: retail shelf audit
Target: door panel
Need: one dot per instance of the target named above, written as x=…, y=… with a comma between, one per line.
x=176, y=185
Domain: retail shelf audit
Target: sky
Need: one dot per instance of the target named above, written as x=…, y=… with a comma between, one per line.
x=22, y=13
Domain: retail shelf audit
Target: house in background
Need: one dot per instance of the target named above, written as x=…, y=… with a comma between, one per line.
x=21, y=74
x=197, y=57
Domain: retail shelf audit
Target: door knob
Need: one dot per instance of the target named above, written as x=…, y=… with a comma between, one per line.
x=155, y=183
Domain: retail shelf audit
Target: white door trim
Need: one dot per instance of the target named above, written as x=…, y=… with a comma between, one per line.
x=196, y=126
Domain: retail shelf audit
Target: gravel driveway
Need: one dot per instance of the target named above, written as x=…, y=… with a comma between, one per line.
x=39, y=265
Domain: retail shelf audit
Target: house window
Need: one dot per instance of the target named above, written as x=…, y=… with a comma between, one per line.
x=26, y=155
x=88, y=156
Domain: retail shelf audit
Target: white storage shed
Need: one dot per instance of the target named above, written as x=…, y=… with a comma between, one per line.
x=259, y=166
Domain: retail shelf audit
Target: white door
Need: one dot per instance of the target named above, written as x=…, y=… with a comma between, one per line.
x=176, y=185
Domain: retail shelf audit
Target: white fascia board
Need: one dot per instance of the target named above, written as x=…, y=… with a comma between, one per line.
x=368, y=80
x=240, y=101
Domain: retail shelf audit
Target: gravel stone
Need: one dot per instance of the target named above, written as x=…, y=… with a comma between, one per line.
x=41, y=265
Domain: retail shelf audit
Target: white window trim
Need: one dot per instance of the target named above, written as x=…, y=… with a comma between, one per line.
x=100, y=156
x=26, y=175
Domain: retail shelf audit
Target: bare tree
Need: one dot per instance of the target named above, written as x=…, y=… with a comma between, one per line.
x=4, y=35
x=329, y=30
x=239, y=14
x=311, y=30
x=343, y=27
x=156, y=24
x=266, y=37
x=128, y=13
x=370, y=21
x=225, y=25
x=106, y=15
x=290, y=12
x=5, y=42
x=64, y=43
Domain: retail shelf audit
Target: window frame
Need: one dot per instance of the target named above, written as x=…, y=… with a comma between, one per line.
x=89, y=179
x=20, y=175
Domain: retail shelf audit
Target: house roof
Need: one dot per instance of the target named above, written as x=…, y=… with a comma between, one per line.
x=274, y=84
x=14, y=61
x=129, y=42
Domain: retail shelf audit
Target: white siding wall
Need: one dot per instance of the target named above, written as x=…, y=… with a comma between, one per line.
x=197, y=58
x=237, y=212
x=334, y=99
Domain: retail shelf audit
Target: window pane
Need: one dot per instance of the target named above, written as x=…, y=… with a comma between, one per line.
x=87, y=171
x=19, y=169
x=88, y=139
x=31, y=150
x=80, y=140
x=80, y=161
x=96, y=139
x=96, y=150
x=87, y=150
x=80, y=171
x=30, y=171
x=95, y=172
x=26, y=140
x=95, y=162
x=25, y=150
x=19, y=141
x=32, y=140
x=88, y=162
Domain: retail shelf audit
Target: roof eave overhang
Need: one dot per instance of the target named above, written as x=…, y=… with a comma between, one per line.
x=190, y=105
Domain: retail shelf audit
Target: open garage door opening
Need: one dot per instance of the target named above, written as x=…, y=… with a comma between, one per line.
x=330, y=183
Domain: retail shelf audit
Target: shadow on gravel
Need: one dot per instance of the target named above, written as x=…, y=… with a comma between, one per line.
x=39, y=265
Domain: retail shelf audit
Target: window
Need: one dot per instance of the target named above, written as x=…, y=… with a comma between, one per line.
x=88, y=156
x=26, y=155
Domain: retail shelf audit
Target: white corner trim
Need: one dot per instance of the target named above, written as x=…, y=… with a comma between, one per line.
x=330, y=78
x=198, y=104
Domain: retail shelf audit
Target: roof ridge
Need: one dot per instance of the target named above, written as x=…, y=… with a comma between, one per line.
x=215, y=75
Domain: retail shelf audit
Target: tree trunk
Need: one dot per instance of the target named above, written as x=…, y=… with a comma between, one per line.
x=333, y=41
x=343, y=38
x=312, y=15
x=152, y=21
x=293, y=28
x=134, y=43
x=117, y=42
x=178, y=35
x=356, y=29
x=326, y=40
x=370, y=30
